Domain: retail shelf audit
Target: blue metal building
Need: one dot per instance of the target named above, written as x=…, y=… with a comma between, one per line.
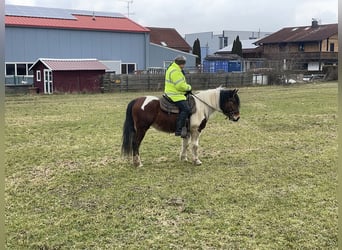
x=228, y=63
x=115, y=40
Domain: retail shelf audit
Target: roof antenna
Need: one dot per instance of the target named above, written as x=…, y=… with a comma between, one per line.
x=94, y=16
x=128, y=3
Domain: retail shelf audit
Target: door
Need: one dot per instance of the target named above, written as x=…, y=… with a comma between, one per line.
x=48, y=84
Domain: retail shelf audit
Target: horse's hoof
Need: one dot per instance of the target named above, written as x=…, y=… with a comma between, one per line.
x=136, y=161
x=137, y=164
x=184, y=158
x=197, y=162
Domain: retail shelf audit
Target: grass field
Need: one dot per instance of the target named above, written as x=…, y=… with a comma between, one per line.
x=267, y=182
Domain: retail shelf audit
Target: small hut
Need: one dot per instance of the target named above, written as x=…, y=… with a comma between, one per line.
x=67, y=75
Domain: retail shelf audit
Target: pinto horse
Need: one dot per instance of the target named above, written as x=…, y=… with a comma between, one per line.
x=144, y=112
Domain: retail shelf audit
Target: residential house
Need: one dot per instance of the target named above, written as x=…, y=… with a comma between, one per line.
x=211, y=42
x=251, y=54
x=168, y=37
x=165, y=45
x=302, y=48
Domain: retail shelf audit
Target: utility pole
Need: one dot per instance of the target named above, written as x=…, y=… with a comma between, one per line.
x=128, y=5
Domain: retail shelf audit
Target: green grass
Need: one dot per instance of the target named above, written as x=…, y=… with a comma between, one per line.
x=267, y=182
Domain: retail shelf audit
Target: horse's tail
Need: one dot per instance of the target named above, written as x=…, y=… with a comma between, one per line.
x=128, y=132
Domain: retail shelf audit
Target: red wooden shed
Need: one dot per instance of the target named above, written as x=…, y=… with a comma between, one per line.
x=67, y=75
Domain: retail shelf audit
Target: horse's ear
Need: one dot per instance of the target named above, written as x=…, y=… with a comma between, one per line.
x=235, y=91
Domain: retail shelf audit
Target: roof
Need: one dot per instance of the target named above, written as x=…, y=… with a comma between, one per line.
x=168, y=37
x=246, y=44
x=40, y=17
x=301, y=34
x=70, y=64
x=225, y=57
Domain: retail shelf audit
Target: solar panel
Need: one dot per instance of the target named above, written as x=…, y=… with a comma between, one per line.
x=32, y=11
x=97, y=13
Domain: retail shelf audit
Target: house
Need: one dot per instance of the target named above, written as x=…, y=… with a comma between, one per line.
x=249, y=49
x=211, y=42
x=165, y=45
x=67, y=75
x=302, y=48
x=251, y=54
x=168, y=37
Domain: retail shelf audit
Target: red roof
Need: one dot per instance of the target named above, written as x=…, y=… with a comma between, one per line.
x=168, y=37
x=70, y=64
x=81, y=22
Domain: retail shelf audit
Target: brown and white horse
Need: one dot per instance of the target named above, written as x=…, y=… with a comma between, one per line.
x=144, y=112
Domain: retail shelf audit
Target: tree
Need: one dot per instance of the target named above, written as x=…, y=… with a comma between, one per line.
x=196, y=50
x=237, y=47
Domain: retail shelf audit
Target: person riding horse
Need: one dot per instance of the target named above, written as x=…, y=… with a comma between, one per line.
x=176, y=89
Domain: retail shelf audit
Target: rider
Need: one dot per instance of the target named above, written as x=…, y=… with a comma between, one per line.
x=175, y=88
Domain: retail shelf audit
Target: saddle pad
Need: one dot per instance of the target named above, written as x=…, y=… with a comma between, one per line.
x=167, y=105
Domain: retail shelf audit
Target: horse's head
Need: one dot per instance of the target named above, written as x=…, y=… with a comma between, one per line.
x=230, y=104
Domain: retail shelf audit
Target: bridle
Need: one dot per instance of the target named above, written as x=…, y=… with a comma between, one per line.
x=227, y=114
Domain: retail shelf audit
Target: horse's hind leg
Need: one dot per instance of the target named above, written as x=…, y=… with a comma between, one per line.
x=136, y=144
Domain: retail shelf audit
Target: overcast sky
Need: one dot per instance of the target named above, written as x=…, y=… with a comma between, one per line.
x=192, y=16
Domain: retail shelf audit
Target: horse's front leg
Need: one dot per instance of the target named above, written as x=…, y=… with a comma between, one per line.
x=195, y=141
x=183, y=153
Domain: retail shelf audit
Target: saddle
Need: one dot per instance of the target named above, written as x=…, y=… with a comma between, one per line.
x=167, y=105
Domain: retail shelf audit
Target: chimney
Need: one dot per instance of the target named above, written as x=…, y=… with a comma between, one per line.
x=314, y=23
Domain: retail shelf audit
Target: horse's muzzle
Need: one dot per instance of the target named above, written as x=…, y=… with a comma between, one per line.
x=234, y=117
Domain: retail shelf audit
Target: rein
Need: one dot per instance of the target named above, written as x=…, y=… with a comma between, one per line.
x=219, y=110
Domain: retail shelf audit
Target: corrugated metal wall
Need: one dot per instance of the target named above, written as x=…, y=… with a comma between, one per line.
x=28, y=44
x=221, y=66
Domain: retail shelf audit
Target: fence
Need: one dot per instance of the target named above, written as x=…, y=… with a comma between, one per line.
x=151, y=82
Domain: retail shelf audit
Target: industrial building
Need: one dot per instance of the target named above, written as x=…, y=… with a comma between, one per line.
x=121, y=44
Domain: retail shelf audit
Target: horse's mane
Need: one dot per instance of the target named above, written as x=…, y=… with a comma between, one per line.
x=229, y=94
x=207, y=94
x=218, y=95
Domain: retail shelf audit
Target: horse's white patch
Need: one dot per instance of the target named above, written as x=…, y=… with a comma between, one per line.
x=148, y=99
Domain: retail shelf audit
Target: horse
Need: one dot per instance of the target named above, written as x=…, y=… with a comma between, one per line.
x=145, y=112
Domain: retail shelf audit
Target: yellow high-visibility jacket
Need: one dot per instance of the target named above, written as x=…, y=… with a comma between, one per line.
x=175, y=83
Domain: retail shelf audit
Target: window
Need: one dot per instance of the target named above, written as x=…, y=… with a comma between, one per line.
x=10, y=69
x=127, y=68
x=38, y=75
x=131, y=68
x=225, y=41
x=18, y=69
x=282, y=47
x=332, y=47
x=30, y=72
x=123, y=69
x=21, y=69
x=301, y=47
